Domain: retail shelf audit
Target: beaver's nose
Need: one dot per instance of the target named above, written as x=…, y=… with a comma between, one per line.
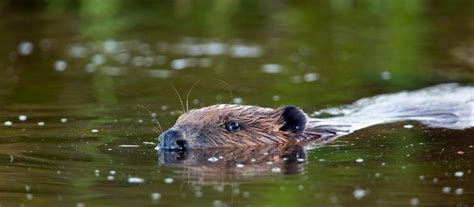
x=173, y=139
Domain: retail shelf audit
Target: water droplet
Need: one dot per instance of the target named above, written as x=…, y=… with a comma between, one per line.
x=359, y=193
x=22, y=117
x=276, y=170
x=213, y=159
x=272, y=68
x=155, y=196
x=310, y=77
x=239, y=165
x=169, y=180
x=98, y=59
x=60, y=65
x=408, y=126
x=8, y=123
x=446, y=189
x=25, y=48
x=414, y=201
x=135, y=180
x=41, y=123
x=459, y=174
x=359, y=160
x=237, y=100
x=94, y=130
x=386, y=75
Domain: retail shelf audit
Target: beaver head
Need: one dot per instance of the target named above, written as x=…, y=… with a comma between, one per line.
x=227, y=125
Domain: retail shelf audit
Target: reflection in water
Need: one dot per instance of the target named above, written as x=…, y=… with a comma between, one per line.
x=218, y=163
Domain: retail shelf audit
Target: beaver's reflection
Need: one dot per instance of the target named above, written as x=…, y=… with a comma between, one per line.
x=247, y=161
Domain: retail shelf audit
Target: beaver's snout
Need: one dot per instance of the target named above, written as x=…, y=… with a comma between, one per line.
x=173, y=139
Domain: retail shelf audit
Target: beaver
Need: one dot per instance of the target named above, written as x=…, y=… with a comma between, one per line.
x=240, y=126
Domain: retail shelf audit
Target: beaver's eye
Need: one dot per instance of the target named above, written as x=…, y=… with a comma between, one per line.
x=232, y=126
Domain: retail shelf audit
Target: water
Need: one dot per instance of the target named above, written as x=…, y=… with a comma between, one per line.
x=83, y=85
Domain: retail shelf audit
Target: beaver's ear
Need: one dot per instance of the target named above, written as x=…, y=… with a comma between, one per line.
x=293, y=119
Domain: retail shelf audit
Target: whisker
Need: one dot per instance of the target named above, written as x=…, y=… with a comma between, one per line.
x=179, y=96
x=153, y=118
x=189, y=93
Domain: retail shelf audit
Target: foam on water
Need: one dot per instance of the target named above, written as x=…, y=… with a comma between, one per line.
x=442, y=106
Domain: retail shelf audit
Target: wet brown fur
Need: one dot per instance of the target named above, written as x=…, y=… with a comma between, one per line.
x=205, y=127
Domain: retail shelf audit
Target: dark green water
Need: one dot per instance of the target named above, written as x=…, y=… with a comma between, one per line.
x=87, y=75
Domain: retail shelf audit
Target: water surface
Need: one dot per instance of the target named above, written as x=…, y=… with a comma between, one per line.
x=92, y=78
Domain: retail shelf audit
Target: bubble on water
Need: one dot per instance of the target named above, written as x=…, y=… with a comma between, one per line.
x=60, y=65
x=253, y=160
x=169, y=180
x=41, y=123
x=300, y=160
x=77, y=51
x=25, y=48
x=29, y=196
x=129, y=145
x=269, y=163
x=213, y=159
x=218, y=203
x=238, y=165
x=459, y=174
x=385, y=75
x=276, y=98
x=408, y=126
x=214, y=48
x=98, y=59
x=310, y=77
x=377, y=174
x=135, y=180
x=459, y=191
x=80, y=205
x=27, y=188
x=112, y=172
x=8, y=123
x=96, y=172
x=359, y=193
x=94, y=130
x=359, y=160
x=110, y=46
x=155, y=196
x=244, y=51
x=237, y=100
x=110, y=178
x=22, y=117
x=63, y=120
x=276, y=170
x=446, y=189
x=414, y=201
x=179, y=64
x=272, y=68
